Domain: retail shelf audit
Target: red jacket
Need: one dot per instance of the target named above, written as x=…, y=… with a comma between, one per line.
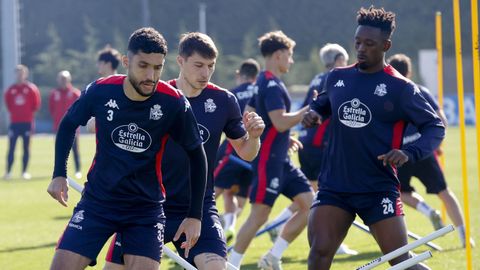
x=59, y=102
x=22, y=101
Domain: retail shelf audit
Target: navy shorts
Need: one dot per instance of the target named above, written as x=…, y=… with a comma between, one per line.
x=310, y=159
x=370, y=207
x=212, y=238
x=427, y=170
x=90, y=227
x=23, y=129
x=234, y=173
x=277, y=177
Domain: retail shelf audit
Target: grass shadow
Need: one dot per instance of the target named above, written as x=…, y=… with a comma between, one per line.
x=49, y=245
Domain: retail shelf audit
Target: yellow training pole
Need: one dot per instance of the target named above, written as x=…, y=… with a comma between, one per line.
x=476, y=78
x=438, y=41
x=461, y=121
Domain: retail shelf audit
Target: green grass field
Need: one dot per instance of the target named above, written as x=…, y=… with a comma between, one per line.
x=31, y=221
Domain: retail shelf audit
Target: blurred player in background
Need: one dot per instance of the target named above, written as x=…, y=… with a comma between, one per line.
x=22, y=100
x=59, y=101
x=232, y=175
x=427, y=170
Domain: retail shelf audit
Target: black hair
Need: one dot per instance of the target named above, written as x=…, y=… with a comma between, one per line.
x=147, y=40
x=378, y=18
x=249, y=68
x=273, y=41
x=109, y=55
x=196, y=42
x=401, y=63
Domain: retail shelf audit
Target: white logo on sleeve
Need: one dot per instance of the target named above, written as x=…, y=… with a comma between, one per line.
x=272, y=83
x=380, y=90
x=131, y=138
x=339, y=83
x=210, y=106
x=354, y=114
x=112, y=103
x=387, y=206
x=156, y=112
x=274, y=185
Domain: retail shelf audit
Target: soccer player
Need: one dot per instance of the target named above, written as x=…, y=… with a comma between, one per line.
x=60, y=100
x=369, y=104
x=22, y=100
x=108, y=61
x=233, y=176
x=135, y=116
x=427, y=170
x=274, y=172
x=217, y=111
x=314, y=139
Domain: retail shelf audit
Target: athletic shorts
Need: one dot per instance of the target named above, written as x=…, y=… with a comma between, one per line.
x=370, y=207
x=212, y=238
x=90, y=227
x=310, y=159
x=20, y=129
x=233, y=173
x=427, y=170
x=275, y=178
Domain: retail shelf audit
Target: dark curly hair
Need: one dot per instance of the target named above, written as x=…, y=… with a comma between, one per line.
x=147, y=40
x=378, y=18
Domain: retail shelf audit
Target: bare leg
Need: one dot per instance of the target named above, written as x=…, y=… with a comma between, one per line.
x=258, y=216
x=210, y=261
x=298, y=221
x=452, y=206
x=327, y=227
x=67, y=260
x=133, y=262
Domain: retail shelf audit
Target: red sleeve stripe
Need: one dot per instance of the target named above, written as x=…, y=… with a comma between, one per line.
x=114, y=79
x=158, y=162
x=320, y=133
x=168, y=89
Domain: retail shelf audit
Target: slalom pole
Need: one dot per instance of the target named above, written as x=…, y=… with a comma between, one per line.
x=404, y=249
x=476, y=77
x=461, y=120
x=412, y=261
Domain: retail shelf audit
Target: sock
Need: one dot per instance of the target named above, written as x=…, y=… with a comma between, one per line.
x=461, y=233
x=279, y=247
x=235, y=258
x=229, y=219
x=285, y=214
x=424, y=208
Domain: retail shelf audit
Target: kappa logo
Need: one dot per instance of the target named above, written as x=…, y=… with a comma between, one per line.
x=187, y=105
x=272, y=83
x=380, y=90
x=156, y=112
x=78, y=217
x=339, y=84
x=112, y=103
x=387, y=206
x=210, y=106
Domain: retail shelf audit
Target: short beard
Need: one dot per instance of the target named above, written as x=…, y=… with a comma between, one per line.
x=136, y=86
x=363, y=66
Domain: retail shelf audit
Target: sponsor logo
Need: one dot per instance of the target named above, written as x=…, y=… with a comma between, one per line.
x=272, y=83
x=112, y=103
x=316, y=82
x=339, y=83
x=210, y=106
x=204, y=133
x=131, y=138
x=20, y=100
x=78, y=217
x=245, y=94
x=156, y=112
x=354, y=114
x=75, y=226
x=380, y=90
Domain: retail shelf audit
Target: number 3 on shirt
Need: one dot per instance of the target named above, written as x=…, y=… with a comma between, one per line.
x=110, y=115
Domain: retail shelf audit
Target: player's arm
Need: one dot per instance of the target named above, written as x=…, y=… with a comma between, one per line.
x=58, y=187
x=283, y=121
x=37, y=99
x=247, y=146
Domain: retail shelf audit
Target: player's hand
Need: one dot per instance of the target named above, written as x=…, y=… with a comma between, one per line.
x=395, y=158
x=311, y=119
x=439, y=151
x=58, y=189
x=91, y=125
x=294, y=145
x=191, y=227
x=254, y=124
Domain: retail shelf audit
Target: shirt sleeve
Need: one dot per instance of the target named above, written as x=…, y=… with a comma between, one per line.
x=234, y=127
x=273, y=99
x=428, y=96
x=429, y=125
x=82, y=110
x=316, y=84
x=184, y=130
x=322, y=104
x=37, y=99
